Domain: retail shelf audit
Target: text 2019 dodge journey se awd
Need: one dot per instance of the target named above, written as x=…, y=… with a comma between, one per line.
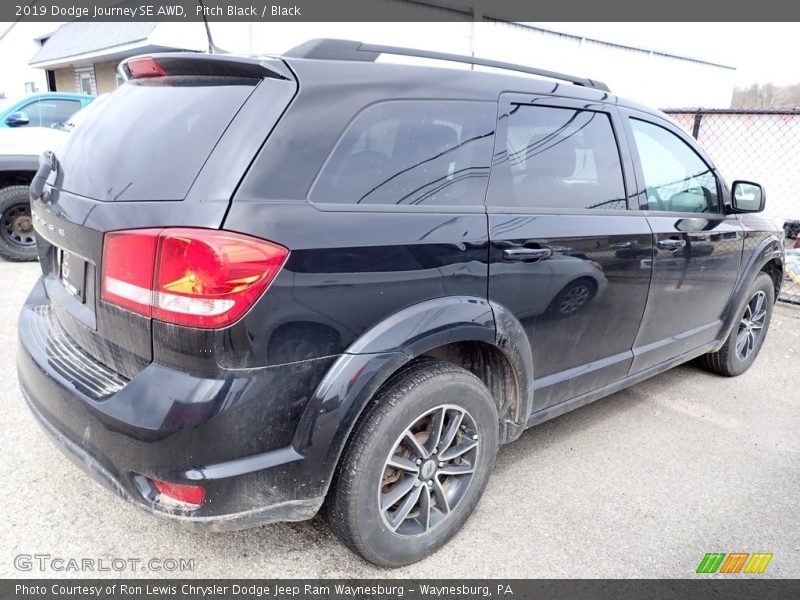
x=275, y=284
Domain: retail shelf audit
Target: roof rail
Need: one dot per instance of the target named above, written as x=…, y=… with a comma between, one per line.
x=333, y=49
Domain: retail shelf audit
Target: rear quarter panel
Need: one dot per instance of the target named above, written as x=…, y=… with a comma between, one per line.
x=348, y=271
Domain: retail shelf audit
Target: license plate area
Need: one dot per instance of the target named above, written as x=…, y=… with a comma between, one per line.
x=72, y=273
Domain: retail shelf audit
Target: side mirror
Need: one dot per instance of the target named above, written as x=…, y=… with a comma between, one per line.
x=747, y=197
x=17, y=119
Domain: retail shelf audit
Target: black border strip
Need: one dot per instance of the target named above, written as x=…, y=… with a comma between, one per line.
x=398, y=10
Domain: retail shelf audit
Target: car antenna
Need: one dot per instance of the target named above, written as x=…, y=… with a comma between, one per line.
x=212, y=48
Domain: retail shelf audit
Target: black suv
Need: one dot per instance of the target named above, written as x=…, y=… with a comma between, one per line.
x=273, y=284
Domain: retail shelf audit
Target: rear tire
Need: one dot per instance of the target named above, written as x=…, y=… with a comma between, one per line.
x=416, y=465
x=749, y=331
x=17, y=239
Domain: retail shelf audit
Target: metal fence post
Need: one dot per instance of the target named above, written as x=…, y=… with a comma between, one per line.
x=698, y=117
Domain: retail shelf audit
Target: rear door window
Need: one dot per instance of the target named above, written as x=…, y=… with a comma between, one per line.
x=150, y=138
x=418, y=153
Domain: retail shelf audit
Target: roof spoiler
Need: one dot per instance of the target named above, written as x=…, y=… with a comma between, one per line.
x=198, y=64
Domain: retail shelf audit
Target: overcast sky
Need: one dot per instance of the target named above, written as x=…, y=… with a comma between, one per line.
x=761, y=52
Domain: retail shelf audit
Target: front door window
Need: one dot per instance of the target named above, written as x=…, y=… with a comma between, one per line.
x=676, y=179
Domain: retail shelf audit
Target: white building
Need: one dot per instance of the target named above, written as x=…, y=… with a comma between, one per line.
x=18, y=43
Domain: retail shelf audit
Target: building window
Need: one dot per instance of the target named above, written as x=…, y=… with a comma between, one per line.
x=30, y=87
x=86, y=84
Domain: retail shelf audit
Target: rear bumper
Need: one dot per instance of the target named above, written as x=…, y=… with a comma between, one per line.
x=288, y=510
x=231, y=434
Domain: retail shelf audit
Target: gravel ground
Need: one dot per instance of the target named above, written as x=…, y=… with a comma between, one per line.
x=640, y=484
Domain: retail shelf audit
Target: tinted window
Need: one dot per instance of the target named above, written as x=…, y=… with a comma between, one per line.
x=46, y=113
x=150, y=138
x=675, y=177
x=558, y=158
x=416, y=152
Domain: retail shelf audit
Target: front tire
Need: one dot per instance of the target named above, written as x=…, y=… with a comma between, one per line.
x=416, y=465
x=17, y=239
x=575, y=295
x=747, y=336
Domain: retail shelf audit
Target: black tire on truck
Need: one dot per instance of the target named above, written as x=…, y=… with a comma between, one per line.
x=17, y=239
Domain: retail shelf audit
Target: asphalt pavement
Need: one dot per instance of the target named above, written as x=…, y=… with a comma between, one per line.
x=640, y=484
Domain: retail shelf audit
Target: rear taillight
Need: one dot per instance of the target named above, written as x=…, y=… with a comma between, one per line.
x=194, y=277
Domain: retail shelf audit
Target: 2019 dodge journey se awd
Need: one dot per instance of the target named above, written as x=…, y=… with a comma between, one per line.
x=276, y=284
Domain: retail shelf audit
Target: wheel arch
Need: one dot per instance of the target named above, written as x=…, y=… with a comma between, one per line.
x=768, y=258
x=483, y=337
x=774, y=268
x=15, y=177
x=17, y=169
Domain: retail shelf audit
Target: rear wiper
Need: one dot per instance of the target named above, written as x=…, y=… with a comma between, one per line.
x=48, y=163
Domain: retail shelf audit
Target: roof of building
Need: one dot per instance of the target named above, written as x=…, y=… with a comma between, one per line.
x=85, y=37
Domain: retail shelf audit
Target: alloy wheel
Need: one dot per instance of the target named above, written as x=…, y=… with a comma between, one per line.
x=428, y=470
x=751, y=327
x=574, y=299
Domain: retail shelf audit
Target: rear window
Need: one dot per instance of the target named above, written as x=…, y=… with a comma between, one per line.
x=150, y=138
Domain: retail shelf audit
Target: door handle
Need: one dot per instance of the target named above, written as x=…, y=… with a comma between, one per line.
x=527, y=254
x=671, y=244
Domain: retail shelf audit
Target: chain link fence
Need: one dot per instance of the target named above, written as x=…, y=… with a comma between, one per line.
x=762, y=146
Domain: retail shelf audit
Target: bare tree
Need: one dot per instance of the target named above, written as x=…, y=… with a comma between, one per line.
x=766, y=95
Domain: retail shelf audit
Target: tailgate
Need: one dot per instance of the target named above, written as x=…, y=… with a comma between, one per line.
x=159, y=152
x=70, y=232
